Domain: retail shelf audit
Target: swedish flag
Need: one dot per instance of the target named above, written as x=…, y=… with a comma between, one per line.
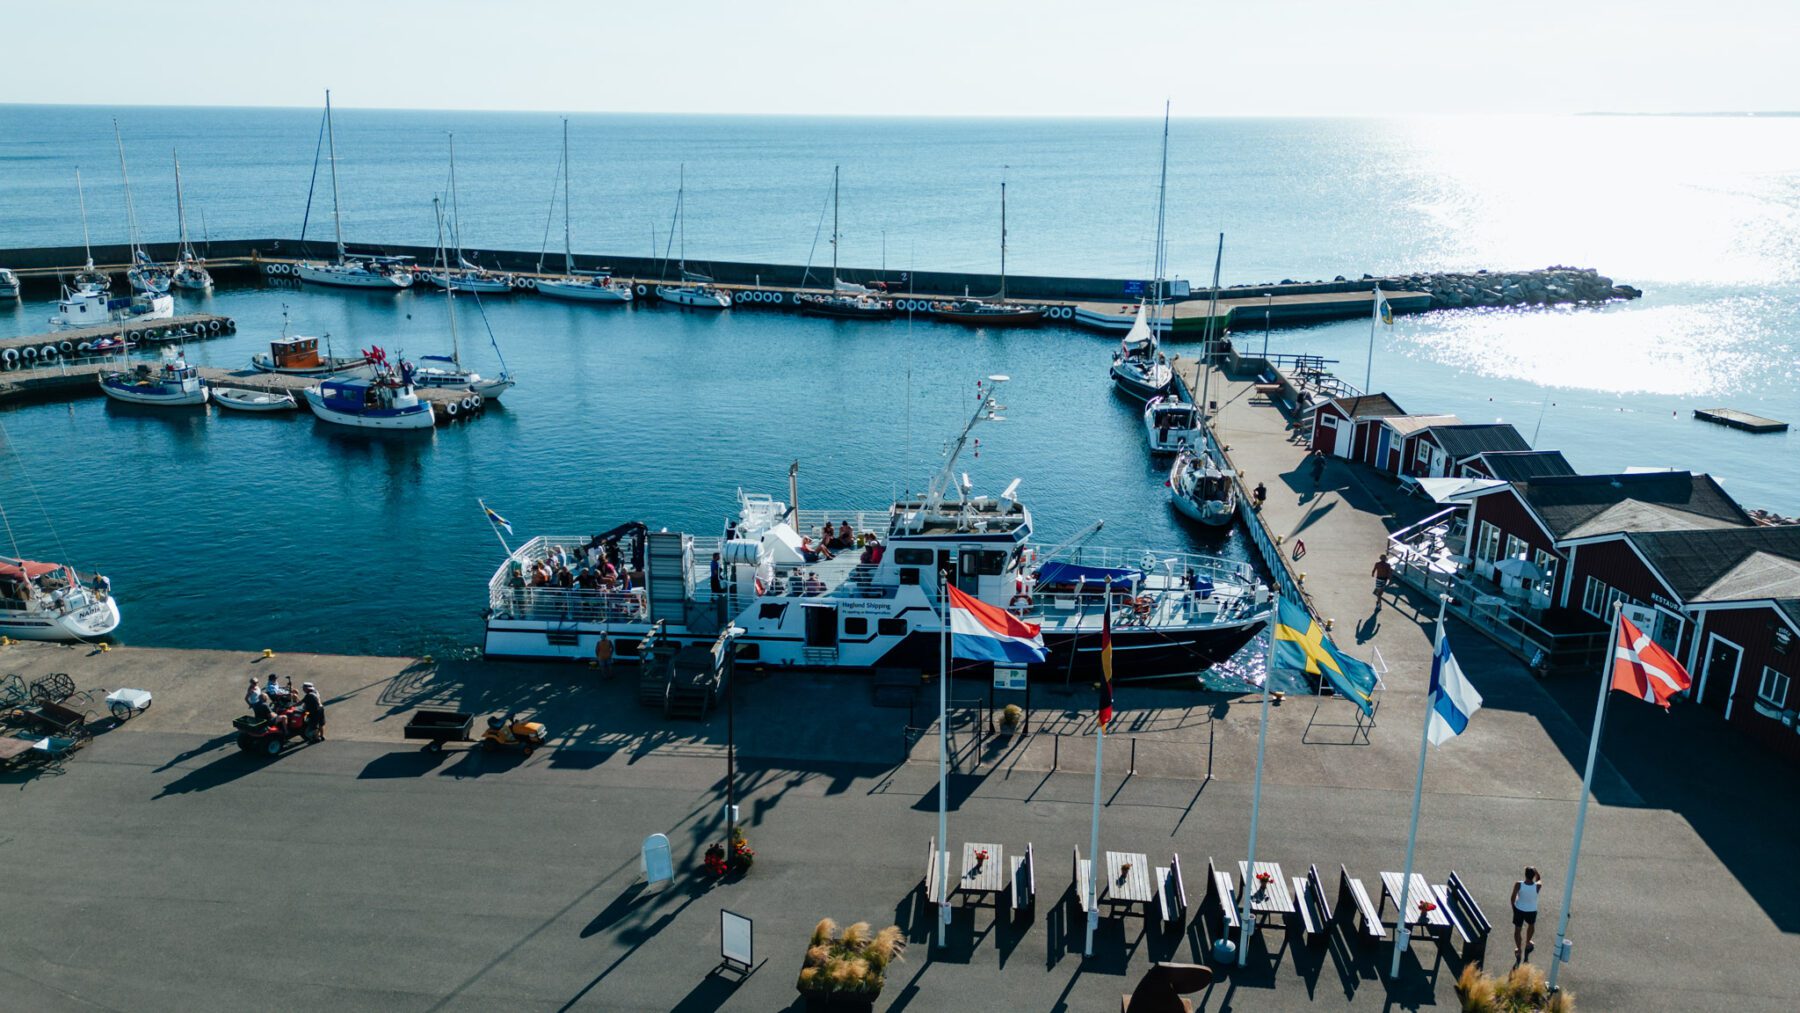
x=1301, y=645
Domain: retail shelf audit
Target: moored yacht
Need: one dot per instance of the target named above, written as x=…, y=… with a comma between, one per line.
x=1201, y=487
x=598, y=286
x=981, y=312
x=48, y=601
x=190, y=270
x=1139, y=367
x=388, y=273
x=9, y=284
x=872, y=593
x=695, y=290
x=1170, y=424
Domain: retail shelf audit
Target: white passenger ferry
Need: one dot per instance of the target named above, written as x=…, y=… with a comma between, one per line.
x=877, y=602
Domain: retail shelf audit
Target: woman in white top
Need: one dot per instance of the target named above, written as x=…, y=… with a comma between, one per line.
x=1525, y=909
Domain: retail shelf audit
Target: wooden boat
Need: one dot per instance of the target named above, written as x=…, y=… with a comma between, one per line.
x=253, y=400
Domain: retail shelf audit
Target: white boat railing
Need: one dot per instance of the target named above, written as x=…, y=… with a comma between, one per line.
x=1225, y=574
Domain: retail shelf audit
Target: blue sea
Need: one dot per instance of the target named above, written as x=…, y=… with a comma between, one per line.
x=247, y=532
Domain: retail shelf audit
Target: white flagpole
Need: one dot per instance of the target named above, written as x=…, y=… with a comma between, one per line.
x=1403, y=935
x=1587, y=781
x=1262, y=741
x=1093, y=919
x=943, y=839
x=496, y=527
x=1374, y=318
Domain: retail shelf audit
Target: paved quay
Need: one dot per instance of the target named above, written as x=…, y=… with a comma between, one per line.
x=166, y=866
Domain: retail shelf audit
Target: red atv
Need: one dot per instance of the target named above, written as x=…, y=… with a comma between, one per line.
x=269, y=736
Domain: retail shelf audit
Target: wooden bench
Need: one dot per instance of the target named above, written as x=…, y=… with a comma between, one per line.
x=65, y=720
x=1084, y=870
x=1171, y=895
x=934, y=893
x=1309, y=917
x=1219, y=894
x=1353, y=903
x=1466, y=917
x=1024, y=881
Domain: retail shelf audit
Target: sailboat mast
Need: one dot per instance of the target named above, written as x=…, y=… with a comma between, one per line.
x=455, y=211
x=186, y=252
x=1162, y=253
x=568, y=250
x=681, y=219
x=130, y=212
x=81, y=200
x=834, y=227
x=337, y=218
x=1003, y=242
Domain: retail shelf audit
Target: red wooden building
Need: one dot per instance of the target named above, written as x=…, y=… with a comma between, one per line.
x=1347, y=426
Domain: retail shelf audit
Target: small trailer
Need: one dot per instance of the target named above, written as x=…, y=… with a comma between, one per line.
x=438, y=727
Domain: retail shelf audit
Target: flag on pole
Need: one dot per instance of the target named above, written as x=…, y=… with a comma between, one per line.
x=1383, y=311
x=1301, y=644
x=1644, y=669
x=1106, y=703
x=1454, y=701
x=495, y=519
x=983, y=632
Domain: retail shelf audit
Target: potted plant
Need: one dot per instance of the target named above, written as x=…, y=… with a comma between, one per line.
x=1010, y=717
x=845, y=970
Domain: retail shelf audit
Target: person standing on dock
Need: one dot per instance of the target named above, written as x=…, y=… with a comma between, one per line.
x=603, y=653
x=314, y=710
x=1383, y=572
x=1258, y=495
x=1318, y=466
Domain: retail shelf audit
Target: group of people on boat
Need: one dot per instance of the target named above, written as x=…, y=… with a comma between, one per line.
x=833, y=540
x=266, y=700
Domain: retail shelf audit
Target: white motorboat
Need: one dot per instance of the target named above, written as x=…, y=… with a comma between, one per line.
x=86, y=306
x=595, y=287
x=190, y=271
x=388, y=401
x=253, y=400
x=1171, y=424
x=9, y=284
x=878, y=600
x=49, y=601
x=173, y=383
x=695, y=289
x=386, y=273
x=1201, y=488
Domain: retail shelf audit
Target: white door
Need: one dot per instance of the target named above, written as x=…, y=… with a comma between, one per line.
x=1345, y=428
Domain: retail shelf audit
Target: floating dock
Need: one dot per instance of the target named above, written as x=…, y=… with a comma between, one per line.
x=1740, y=420
x=68, y=343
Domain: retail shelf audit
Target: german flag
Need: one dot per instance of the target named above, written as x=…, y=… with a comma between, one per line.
x=1106, y=703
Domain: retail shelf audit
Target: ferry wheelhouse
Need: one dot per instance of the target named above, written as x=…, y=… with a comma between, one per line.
x=878, y=600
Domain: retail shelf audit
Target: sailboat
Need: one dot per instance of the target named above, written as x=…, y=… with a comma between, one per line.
x=1139, y=367
x=144, y=274
x=85, y=303
x=9, y=284
x=846, y=300
x=190, y=270
x=447, y=370
x=1200, y=486
x=464, y=277
x=597, y=287
x=87, y=279
x=695, y=289
x=351, y=272
x=982, y=313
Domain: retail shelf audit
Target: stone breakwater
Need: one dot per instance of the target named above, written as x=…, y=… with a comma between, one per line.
x=1548, y=287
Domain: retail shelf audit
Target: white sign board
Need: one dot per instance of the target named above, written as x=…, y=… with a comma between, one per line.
x=1009, y=678
x=655, y=862
x=736, y=934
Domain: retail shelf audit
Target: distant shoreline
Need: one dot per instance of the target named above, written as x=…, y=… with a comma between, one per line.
x=1745, y=114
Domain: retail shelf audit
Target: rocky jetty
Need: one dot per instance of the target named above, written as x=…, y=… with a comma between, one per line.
x=1548, y=287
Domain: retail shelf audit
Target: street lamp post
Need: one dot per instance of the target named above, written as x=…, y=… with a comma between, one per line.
x=728, y=663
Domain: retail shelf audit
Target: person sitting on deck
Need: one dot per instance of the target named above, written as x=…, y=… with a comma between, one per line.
x=814, y=586
x=809, y=553
x=586, y=579
x=846, y=538
x=871, y=553
x=564, y=579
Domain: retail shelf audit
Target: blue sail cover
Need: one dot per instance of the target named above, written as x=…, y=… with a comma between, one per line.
x=1071, y=573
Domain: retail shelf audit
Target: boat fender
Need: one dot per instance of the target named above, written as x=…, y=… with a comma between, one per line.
x=742, y=297
x=84, y=347
x=778, y=299
x=135, y=336
x=215, y=325
x=230, y=326
x=468, y=405
x=450, y=409
x=48, y=351
x=28, y=354
x=641, y=290
x=66, y=347
x=1020, y=604
x=476, y=402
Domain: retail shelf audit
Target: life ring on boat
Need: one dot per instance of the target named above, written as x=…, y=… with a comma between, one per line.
x=450, y=410
x=1141, y=606
x=641, y=290
x=1020, y=604
x=477, y=402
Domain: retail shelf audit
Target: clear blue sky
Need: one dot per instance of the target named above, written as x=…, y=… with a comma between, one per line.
x=975, y=57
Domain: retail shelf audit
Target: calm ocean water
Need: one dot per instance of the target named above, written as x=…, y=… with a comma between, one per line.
x=250, y=532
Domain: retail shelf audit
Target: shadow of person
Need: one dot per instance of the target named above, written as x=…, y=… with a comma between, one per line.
x=1366, y=630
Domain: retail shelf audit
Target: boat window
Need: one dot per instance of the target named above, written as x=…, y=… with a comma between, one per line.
x=891, y=627
x=982, y=563
x=855, y=626
x=747, y=652
x=909, y=575
x=771, y=610
x=913, y=557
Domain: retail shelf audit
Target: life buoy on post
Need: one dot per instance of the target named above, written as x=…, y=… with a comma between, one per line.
x=1020, y=604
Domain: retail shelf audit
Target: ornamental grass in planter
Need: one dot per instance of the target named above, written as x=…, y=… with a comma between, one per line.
x=1523, y=990
x=847, y=969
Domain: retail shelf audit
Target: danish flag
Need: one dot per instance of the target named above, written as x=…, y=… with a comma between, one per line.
x=1642, y=668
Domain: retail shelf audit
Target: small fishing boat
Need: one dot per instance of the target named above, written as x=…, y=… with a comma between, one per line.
x=1201, y=488
x=695, y=290
x=48, y=601
x=387, y=401
x=299, y=356
x=1000, y=313
x=253, y=400
x=388, y=273
x=598, y=286
x=1171, y=424
x=190, y=270
x=173, y=383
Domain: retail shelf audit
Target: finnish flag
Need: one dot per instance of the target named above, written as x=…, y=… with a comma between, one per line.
x=1454, y=701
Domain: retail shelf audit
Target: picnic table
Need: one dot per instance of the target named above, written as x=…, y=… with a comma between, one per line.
x=1127, y=878
x=1273, y=899
x=984, y=877
x=1433, y=919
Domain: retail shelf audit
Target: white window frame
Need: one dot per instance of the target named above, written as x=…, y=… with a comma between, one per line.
x=1763, y=685
x=1548, y=561
x=1598, y=597
x=1515, y=547
x=1487, y=542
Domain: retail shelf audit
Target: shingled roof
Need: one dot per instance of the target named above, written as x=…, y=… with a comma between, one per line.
x=1580, y=506
x=1368, y=406
x=1520, y=465
x=1726, y=564
x=1461, y=442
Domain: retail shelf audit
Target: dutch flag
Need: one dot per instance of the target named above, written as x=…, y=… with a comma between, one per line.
x=983, y=632
x=1453, y=700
